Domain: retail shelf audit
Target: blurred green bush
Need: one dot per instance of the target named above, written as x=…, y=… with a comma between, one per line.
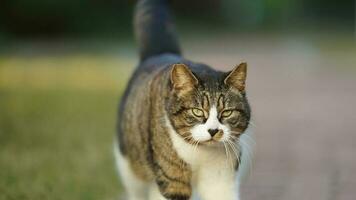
x=58, y=18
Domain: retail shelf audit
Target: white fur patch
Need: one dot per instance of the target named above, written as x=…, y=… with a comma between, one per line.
x=213, y=177
x=200, y=132
x=135, y=188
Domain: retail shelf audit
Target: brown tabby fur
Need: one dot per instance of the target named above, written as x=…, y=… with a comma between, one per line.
x=144, y=137
x=166, y=86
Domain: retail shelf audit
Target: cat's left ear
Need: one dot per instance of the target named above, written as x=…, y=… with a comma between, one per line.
x=237, y=77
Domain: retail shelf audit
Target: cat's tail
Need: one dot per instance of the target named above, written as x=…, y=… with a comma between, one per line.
x=154, y=30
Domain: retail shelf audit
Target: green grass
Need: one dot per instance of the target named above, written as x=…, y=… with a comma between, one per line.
x=56, y=135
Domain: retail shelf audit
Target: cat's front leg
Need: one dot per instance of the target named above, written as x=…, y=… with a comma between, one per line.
x=172, y=178
x=173, y=188
x=172, y=175
x=156, y=194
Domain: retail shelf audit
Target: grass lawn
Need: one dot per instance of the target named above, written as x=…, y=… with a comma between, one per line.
x=57, y=125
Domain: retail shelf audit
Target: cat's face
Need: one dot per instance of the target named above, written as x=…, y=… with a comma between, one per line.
x=209, y=108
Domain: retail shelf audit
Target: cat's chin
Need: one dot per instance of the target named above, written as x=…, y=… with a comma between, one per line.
x=211, y=143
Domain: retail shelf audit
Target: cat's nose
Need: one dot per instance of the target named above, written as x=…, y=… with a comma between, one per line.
x=212, y=132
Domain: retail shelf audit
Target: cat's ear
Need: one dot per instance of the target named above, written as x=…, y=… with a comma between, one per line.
x=182, y=78
x=237, y=77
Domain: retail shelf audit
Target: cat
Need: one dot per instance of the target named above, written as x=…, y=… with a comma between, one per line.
x=180, y=123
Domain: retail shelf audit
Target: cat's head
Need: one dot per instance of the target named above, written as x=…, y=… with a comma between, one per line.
x=208, y=106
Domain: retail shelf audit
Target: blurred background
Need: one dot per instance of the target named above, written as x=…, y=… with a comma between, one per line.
x=64, y=65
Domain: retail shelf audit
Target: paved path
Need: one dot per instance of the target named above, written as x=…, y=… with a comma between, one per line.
x=303, y=103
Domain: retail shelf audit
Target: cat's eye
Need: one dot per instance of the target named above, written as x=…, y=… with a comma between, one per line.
x=226, y=113
x=198, y=112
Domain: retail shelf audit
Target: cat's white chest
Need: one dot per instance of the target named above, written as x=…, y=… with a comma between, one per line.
x=213, y=174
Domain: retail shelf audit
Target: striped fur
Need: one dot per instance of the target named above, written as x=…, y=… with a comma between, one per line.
x=180, y=122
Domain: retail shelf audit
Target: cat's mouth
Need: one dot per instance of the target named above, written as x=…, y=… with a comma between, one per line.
x=214, y=141
x=211, y=142
x=208, y=142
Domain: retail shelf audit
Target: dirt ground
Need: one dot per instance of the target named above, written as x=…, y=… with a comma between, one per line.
x=303, y=98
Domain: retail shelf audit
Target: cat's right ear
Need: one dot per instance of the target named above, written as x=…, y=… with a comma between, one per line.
x=237, y=77
x=182, y=79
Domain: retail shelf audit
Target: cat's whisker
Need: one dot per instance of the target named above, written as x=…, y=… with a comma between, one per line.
x=248, y=152
x=227, y=155
x=235, y=149
x=232, y=148
x=229, y=146
x=231, y=141
x=188, y=137
x=233, y=156
x=233, y=136
x=226, y=161
x=250, y=139
x=229, y=158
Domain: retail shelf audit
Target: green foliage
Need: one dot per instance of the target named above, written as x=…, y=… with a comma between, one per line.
x=56, y=141
x=112, y=18
x=57, y=145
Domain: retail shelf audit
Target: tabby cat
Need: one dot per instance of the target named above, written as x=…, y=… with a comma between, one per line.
x=181, y=123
